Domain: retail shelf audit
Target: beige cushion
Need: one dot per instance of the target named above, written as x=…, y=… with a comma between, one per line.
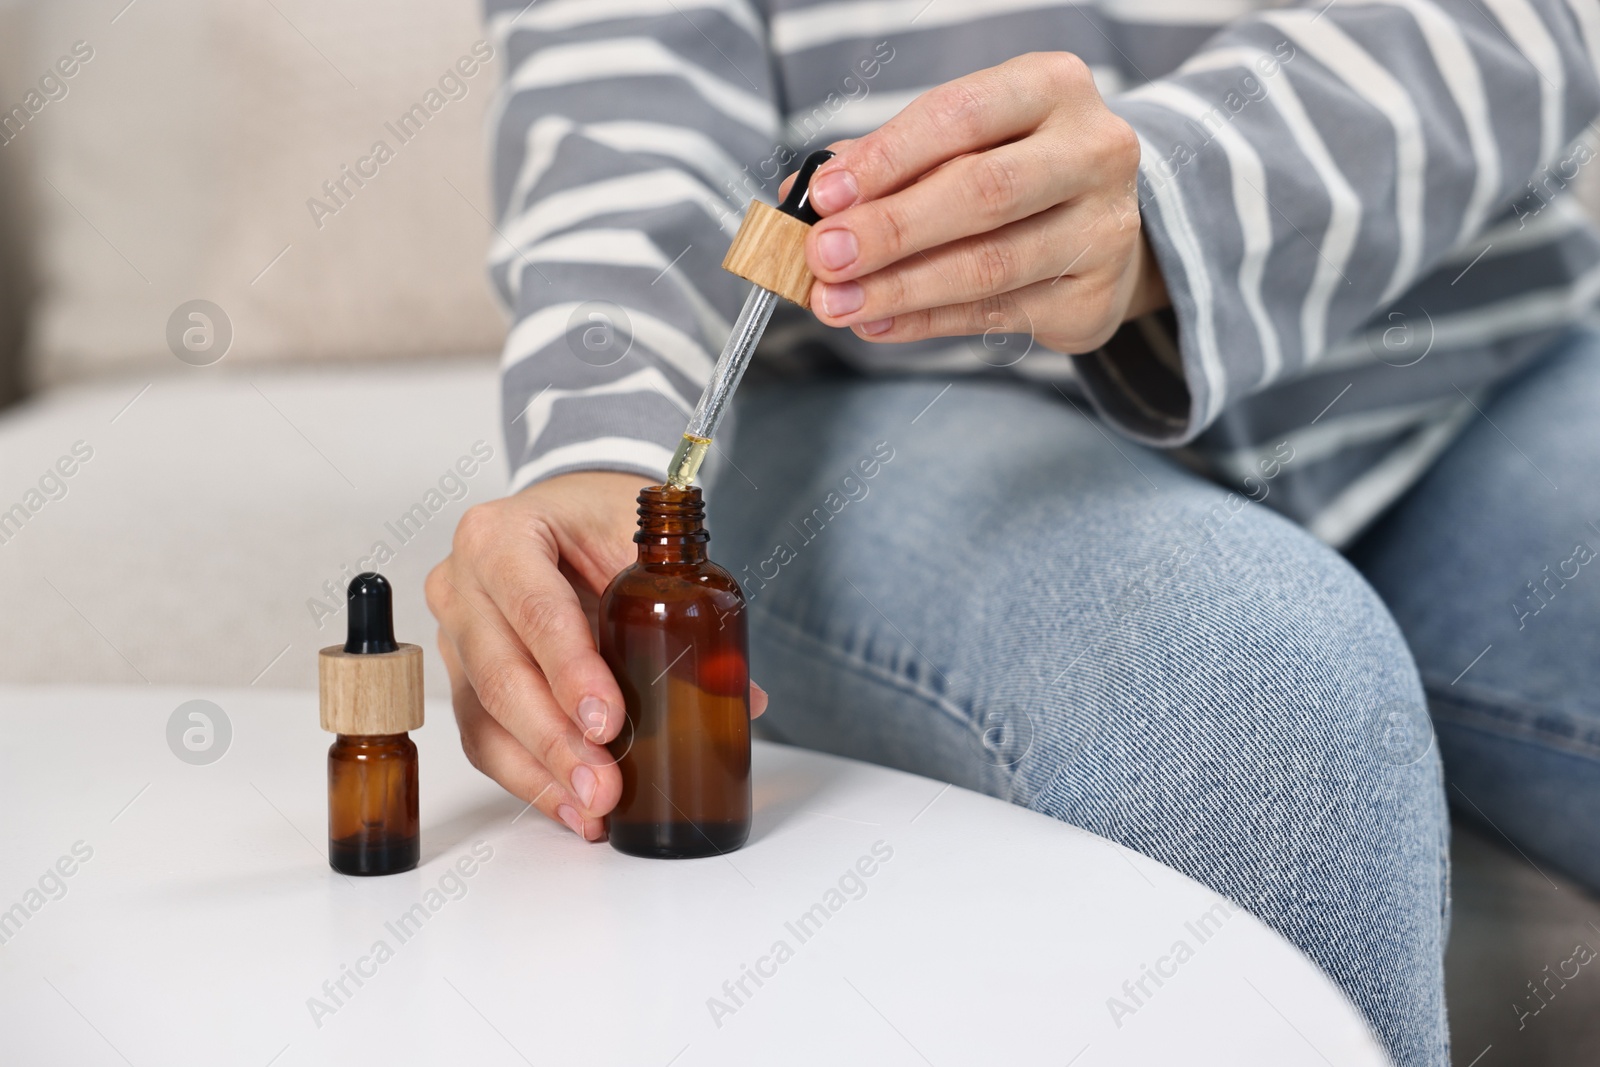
x=179, y=165
x=198, y=541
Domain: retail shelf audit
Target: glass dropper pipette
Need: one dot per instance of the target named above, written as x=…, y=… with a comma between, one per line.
x=768, y=251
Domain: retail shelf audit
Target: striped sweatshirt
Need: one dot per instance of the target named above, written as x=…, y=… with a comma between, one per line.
x=1360, y=209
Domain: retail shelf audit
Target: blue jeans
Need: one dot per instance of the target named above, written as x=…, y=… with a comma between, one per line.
x=1020, y=604
x=1002, y=595
x=1491, y=566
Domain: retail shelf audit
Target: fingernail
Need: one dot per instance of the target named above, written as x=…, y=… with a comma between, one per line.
x=834, y=190
x=842, y=298
x=837, y=248
x=583, y=784
x=592, y=713
x=570, y=817
x=875, y=327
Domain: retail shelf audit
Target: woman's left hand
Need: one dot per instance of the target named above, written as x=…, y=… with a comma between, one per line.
x=1002, y=201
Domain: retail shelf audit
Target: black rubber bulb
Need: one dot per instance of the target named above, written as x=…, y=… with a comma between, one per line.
x=371, y=603
x=798, y=202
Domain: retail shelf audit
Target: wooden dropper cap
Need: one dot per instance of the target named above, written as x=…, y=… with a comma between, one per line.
x=770, y=247
x=370, y=685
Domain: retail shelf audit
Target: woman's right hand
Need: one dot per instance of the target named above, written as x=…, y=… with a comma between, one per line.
x=515, y=600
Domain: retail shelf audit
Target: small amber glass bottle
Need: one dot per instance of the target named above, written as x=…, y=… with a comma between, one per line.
x=673, y=630
x=372, y=804
x=371, y=695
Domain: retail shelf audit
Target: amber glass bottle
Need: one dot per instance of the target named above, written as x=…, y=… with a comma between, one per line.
x=673, y=630
x=372, y=804
x=371, y=695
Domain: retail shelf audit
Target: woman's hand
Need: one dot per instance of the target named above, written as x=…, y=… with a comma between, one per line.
x=516, y=601
x=1002, y=201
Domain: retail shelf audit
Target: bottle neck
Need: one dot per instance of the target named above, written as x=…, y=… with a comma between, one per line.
x=370, y=740
x=671, y=525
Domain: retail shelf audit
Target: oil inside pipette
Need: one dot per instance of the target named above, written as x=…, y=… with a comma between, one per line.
x=686, y=460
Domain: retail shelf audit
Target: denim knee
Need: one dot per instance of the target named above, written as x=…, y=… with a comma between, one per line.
x=1254, y=719
x=1252, y=641
x=1094, y=632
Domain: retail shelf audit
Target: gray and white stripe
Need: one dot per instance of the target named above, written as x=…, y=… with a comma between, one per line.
x=1360, y=183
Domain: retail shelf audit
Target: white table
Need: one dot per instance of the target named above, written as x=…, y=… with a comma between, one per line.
x=205, y=918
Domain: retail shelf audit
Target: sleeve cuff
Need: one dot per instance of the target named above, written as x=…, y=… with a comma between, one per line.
x=622, y=454
x=1137, y=383
x=1164, y=378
